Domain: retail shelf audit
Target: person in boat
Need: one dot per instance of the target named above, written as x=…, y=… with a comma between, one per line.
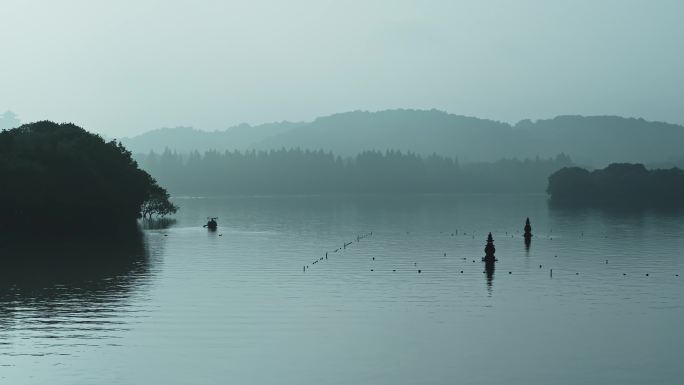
x=212, y=224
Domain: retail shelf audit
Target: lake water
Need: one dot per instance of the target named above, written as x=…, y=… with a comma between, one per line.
x=182, y=305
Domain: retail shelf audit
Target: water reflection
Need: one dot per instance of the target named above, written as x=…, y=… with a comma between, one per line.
x=489, y=273
x=61, y=289
x=158, y=223
x=631, y=211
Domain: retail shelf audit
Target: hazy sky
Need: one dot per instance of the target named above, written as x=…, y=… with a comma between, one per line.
x=126, y=66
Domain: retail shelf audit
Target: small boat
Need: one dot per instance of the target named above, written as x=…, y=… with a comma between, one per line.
x=211, y=223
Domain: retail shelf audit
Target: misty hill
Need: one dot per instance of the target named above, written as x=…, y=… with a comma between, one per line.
x=594, y=141
x=187, y=139
x=9, y=120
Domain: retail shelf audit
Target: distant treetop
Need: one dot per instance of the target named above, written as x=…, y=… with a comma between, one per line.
x=618, y=184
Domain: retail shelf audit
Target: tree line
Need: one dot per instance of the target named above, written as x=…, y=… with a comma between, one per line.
x=297, y=171
x=617, y=184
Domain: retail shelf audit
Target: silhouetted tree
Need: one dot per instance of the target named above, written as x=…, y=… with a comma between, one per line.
x=619, y=183
x=60, y=177
x=158, y=203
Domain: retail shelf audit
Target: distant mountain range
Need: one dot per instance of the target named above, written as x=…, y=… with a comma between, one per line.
x=593, y=141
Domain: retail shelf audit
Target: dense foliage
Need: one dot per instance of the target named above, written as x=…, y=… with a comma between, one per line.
x=59, y=176
x=619, y=183
x=298, y=171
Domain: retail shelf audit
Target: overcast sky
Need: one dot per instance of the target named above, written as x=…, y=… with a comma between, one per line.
x=126, y=66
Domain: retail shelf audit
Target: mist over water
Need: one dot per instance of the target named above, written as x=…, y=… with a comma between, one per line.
x=317, y=182
x=184, y=305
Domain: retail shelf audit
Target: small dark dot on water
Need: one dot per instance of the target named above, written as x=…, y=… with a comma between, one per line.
x=676, y=275
x=510, y=272
x=576, y=273
x=540, y=266
x=374, y=258
x=394, y=269
x=419, y=270
x=371, y=269
x=647, y=274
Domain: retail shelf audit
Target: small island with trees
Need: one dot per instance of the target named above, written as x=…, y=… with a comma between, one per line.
x=616, y=185
x=59, y=178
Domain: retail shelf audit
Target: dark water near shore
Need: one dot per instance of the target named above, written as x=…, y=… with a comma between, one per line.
x=183, y=305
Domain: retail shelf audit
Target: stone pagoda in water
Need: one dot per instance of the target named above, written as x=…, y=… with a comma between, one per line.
x=489, y=250
x=528, y=229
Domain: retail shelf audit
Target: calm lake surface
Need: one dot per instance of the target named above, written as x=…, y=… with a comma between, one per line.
x=182, y=305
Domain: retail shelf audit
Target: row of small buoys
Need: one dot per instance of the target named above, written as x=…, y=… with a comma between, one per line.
x=362, y=236
x=344, y=247
x=489, y=257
